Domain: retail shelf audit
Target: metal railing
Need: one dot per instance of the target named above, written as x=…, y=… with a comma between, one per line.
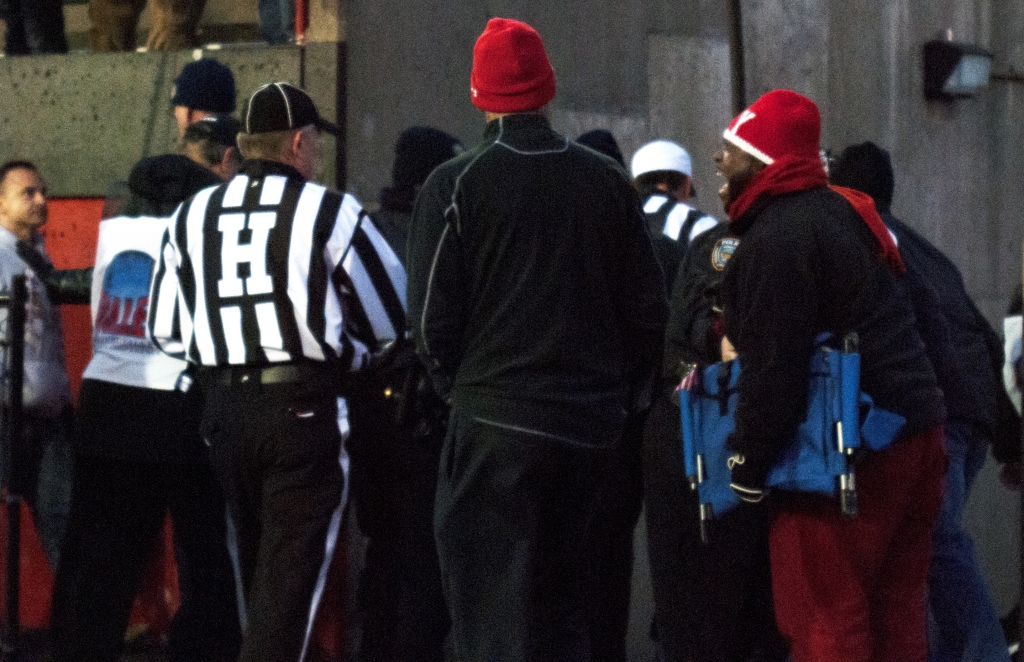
x=11, y=479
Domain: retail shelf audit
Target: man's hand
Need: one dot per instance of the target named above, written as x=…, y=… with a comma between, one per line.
x=745, y=481
x=728, y=351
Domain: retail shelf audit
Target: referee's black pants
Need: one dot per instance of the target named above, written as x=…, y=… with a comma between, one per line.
x=511, y=515
x=712, y=601
x=276, y=450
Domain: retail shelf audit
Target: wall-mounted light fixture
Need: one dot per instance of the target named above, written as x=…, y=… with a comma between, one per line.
x=953, y=70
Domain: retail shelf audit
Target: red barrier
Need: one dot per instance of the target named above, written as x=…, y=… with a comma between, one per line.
x=71, y=242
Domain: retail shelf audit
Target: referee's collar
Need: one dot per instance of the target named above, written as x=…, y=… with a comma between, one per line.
x=263, y=167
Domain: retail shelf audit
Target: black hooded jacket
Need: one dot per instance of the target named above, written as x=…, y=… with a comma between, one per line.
x=158, y=184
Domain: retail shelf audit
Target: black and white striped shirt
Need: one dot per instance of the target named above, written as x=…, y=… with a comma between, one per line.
x=268, y=268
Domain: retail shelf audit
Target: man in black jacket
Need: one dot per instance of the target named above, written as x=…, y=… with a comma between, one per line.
x=537, y=306
x=813, y=260
x=968, y=357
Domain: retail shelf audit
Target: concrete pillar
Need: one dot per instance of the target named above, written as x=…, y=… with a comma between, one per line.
x=786, y=46
x=691, y=104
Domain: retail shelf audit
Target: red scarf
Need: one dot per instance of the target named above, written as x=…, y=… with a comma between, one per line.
x=865, y=206
x=789, y=175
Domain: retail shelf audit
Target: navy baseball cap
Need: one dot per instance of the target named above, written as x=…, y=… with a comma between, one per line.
x=205, y=84
x=281, y=107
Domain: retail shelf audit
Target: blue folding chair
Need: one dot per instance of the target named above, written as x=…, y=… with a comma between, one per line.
x=840, y=420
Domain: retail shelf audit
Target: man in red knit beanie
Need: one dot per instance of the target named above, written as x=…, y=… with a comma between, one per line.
x=537, y=305
x=815, y=259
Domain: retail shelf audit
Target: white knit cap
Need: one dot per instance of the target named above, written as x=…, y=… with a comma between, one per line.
x=661, y=155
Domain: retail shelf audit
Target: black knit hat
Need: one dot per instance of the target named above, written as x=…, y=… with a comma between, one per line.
x=281, y=107
x=205, y=84
x=602, y=141
x=418, y=150
x=866, y=168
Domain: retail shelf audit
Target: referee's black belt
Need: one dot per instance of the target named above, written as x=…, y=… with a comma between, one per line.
x=285, y=373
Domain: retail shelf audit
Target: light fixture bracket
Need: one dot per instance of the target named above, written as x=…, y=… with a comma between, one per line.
x=954, y=70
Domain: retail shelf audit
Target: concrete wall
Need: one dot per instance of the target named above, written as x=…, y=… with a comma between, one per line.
x=86, y=119
x=642, y=68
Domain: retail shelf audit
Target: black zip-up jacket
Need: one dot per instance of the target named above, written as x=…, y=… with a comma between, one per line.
x=534, y=295
x=808, y=263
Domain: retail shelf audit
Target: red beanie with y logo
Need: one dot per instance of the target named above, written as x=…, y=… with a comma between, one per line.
x=511, y=71
x=781, y=123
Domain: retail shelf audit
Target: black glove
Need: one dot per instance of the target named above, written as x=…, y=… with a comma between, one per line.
x=63, y=286
x=746, y=479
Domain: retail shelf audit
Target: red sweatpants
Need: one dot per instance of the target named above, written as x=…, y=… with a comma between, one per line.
x=852, y=589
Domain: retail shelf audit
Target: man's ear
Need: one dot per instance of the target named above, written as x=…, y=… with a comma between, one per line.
x=228, y=160
x=295, y=147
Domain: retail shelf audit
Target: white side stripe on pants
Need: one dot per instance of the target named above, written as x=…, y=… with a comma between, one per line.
x=332, y=530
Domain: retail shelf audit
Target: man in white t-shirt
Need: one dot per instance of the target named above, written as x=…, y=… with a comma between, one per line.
x=138, y=453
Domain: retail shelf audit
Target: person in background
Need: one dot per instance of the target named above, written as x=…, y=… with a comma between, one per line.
x=537, y=306
x=663, y=173
x=398, y=424
x=275, y=289
x=617, y=511
x=968, y=357
x=418, y=150
x=277, y=21
x=42, y=458
x=712, y=598
x=812, y=259
x=204, y=87
x=603, y=141
x=174, y=24
x=34, y=27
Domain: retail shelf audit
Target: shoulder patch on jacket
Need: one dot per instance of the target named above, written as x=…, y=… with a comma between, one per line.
x=723, y=250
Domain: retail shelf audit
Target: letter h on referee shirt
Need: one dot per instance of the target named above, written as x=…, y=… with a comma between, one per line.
x=254, y=253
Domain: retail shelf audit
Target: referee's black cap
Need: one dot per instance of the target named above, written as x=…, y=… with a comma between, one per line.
x=280, y=107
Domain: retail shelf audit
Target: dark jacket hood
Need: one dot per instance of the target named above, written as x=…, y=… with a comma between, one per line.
x=158, y=184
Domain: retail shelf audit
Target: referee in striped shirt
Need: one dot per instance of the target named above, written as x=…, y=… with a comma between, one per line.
x=275, y=288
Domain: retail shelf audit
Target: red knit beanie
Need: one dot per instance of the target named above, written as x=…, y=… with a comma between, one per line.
x=511, y=71
x=780, y=124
